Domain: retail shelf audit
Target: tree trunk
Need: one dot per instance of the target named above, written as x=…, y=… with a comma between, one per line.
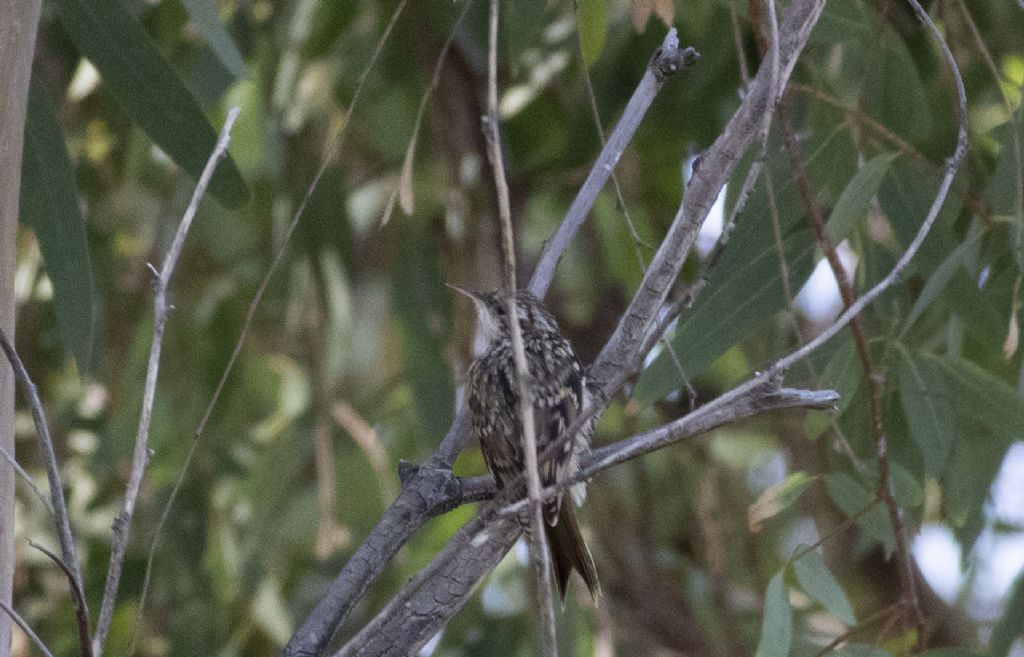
x=18, y=23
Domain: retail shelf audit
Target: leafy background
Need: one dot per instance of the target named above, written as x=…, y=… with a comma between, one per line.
x=358, y=351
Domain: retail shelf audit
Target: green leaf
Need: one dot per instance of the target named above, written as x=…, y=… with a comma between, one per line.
x=204, y=14
x=777, y=628
x=853, y=498
x=853, y=203
x=1011, y=626
x=928, y=405
x=897, y=94
x=143, y=83
x=818, y=582
x=744, y=292
x=941, y=277
x=49, y=205
x=843, y=372
x=777, y=499
x=592, y=22
x=989, y=417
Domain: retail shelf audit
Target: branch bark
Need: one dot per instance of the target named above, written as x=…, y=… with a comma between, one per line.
x=18, y=22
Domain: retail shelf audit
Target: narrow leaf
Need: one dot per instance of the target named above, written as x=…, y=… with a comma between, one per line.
x=853, y=203
x=853, y=498
x=818, y=582
x=204, y=14
x=843, y=373
x=145, y=85
x=777, y=499
x=49, y=205
x=941, y=277
x=744, y=291
x=405, y=193
x=777, y=628
x=928, y=405
x=592, y=22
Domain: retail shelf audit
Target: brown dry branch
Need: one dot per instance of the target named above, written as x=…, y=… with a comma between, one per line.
x=873, y=379
x=140, y=454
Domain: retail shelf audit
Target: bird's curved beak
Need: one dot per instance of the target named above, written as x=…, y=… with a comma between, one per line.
x=472, y=294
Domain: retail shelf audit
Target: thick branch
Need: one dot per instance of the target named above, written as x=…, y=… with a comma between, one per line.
x=421, y=609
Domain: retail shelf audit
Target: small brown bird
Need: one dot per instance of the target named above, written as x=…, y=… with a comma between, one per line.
x=558, y=391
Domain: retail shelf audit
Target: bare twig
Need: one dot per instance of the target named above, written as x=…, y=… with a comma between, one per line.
x=81, y=617
x=27, y=478
x=538, y=552
x=667, y=60
x=140, y=455
x=26, y=629
x=59, y=506
x=333, y=149
x=847, y=635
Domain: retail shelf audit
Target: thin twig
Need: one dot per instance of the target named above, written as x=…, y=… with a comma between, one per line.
x=667, y=60
x=538, y=552
x=140, y=455
x=59, y=506
x=435, y=79
x=81, y=618
x=26, y=477
x=870, y=620
x=26, y=629
x=637, y=240
x=333, y=149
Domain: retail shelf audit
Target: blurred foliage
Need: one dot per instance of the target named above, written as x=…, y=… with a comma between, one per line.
x=357, y=353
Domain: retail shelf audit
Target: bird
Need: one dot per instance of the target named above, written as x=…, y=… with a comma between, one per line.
x=558, y=391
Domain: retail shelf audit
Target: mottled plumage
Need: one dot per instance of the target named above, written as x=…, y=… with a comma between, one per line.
x=558, y=393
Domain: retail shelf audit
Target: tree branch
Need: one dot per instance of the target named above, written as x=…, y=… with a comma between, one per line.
x=140, y=455
x=26, y=629
x=57, y=502
x=432, y=488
